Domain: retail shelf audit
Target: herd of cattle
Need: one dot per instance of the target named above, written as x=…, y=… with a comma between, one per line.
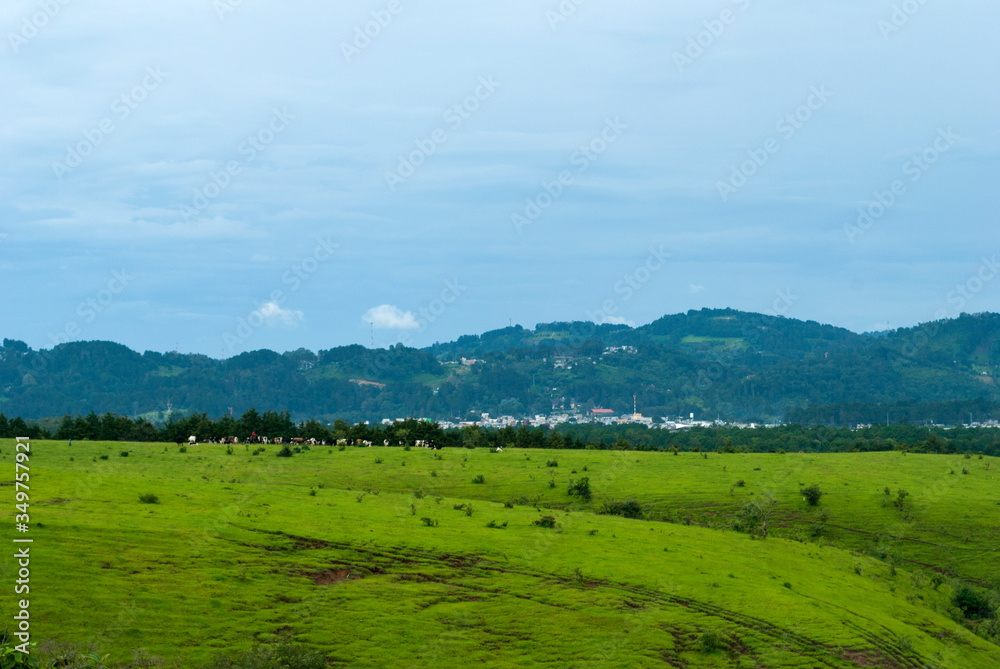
x=299, y=441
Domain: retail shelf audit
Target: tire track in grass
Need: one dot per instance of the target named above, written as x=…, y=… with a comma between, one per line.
x=882, y=653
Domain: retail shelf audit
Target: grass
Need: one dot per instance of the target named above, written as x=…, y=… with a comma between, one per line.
x=237, y=551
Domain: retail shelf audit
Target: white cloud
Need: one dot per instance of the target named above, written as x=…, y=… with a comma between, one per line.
x=616, y=320
x=273, y=314
x=696, y=288
x=388, y=317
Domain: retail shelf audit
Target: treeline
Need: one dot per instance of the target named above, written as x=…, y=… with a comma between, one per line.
x=271, y=424
x=956, y=412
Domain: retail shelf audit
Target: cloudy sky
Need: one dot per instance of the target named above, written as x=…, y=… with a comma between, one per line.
x=225, y=175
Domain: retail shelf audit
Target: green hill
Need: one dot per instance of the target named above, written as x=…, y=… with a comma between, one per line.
x=386, y=557
x=723, y=363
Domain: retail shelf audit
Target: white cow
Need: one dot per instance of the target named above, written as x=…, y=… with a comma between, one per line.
x=192, y=441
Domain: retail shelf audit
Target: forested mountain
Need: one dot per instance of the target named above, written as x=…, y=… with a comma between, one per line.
x=724, y=363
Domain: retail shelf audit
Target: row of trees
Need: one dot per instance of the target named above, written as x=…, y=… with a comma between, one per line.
x=786, y=438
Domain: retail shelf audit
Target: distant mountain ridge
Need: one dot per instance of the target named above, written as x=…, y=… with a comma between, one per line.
x=711, y=362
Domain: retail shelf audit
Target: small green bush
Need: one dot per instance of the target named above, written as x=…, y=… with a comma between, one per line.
x=711, y=642
x=812, y=495
x=552, y=463
x=479, y=479
x=975, y=605
x=580, y=488
x=627, y=509
x=149, y=498
x=285, y=452
x=285, y=656
x=124, y=454
x=429, y=522
x=545, y=521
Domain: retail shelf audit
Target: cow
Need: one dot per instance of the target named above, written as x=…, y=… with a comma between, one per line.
x=279, y=440
x=192, y=440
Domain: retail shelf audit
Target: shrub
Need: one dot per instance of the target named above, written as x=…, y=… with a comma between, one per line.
x=104, y=457
x=124, y=454
x=552, y=463
x=545, y=521
x=429, y=522
x=378, y=461
x=479, y=479
x=419, y=494
x=285, y=452
x=229, y=450
x=812, y=495
x=974, y=604
x=627, y=509
x=497, y=526
x=285, y=655
x=312, y=492
x=149, y=498
x=711, y=642
x=741, y=483
x=580, y=488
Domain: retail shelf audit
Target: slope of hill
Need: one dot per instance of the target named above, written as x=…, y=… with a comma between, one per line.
x=711, y=362
x=385, y=557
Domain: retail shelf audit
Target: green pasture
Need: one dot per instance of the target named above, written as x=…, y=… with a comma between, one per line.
x=330, y=548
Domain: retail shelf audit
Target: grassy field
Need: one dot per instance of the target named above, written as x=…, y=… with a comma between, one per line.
x=332, y=548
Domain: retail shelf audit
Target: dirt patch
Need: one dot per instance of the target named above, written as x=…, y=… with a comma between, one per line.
x=332, y=576
x=869, y=659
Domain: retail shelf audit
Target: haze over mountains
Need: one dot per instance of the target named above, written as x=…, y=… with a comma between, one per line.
x=714, y=363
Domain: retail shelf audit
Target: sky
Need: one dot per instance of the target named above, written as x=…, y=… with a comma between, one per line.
x=221, y=176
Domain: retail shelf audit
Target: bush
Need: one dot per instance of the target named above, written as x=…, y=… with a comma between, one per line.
x=627, y=509
x=124, y=454
x=497, y=526
x=741, y=483
x=552, y=463
x=812, y=495
x=429, y=522
x=285, y=452
x=711, y=642
x=104, y=457
x=149, y=498
x=479, y=479
x=974, y=604
x=545, y=521
x=286, y=656
x=580, y=488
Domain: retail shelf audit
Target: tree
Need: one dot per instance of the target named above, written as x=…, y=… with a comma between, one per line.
x=758, y=512
x=812, y=494
x=580, y=488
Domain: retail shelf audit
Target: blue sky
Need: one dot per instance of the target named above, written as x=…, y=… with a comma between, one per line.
x=221, y=176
